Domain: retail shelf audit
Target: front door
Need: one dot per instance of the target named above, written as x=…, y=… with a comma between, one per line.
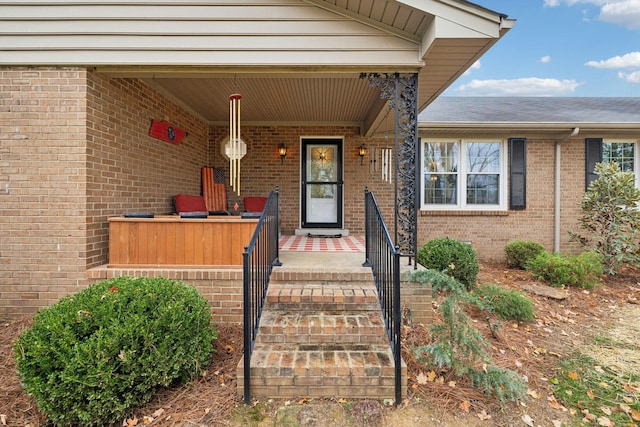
x=321, y=183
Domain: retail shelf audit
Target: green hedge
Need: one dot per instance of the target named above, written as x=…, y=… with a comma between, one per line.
x=91, y=357
x=453, y=257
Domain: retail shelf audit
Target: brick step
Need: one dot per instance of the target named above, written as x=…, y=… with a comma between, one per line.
x=297, y=327
x=328, y=370
x=321, y=276
x=315, y=297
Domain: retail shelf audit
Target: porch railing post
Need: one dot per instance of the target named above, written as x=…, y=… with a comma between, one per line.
x=247, y=319
x=367, y=229
x=397, y=320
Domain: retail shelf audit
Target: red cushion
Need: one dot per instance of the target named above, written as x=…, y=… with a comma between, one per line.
x=254, y=204
x=188, y=203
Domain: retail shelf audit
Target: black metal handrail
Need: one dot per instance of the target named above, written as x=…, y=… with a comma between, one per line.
x=384, y=259
x=258, y=259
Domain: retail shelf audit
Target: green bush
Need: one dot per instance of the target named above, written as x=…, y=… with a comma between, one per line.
x=509, y=304
x=519, y=252
x=582, y=271
x=610, y=217
x=91, y=357
x=453, y=257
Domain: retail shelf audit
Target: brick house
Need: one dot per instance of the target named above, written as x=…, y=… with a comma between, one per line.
x=81, y=83
x=529, y=161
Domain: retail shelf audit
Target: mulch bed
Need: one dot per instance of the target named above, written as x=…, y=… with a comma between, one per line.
x=532, y=349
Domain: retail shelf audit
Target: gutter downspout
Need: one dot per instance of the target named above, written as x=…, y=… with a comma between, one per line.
x=556, y=201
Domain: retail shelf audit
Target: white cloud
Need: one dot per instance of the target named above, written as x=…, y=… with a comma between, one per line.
x=629, y=60
x=620, y=12
x=476, y=66
x=531, y=86
x=545, y=59
x=625, y=13
x=631, y=77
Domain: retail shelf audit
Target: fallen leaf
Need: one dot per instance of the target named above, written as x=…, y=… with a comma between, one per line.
x=158, y=413
x=3, y=419
x=568, y=392
x=527, y=420
x=431, y=376
x=599, y=369
x=573, y=375
x=229, y=349
x=452, y=384
x=465, y=406
x=555, y=404
x=533, y=393
x=556, y=423
x=591, y=394
x=422, y=379
x=588, y=417
x=147, y=420
x=130, y=422
x=440, y=380
x=483, y=415
x=606, y=410
x=635, y=415
x=342, y=400
x=632, y=388
x=605, y=422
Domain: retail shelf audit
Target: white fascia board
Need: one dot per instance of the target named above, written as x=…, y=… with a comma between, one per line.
x=442, y=28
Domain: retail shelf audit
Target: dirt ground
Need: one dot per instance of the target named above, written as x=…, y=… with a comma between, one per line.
x=532, y=349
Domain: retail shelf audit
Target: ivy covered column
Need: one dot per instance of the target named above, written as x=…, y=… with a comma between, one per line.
x=401, y=90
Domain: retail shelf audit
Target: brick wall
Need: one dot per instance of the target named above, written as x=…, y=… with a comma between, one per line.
x=75, y=151
x=42, y=185
x=489, y=232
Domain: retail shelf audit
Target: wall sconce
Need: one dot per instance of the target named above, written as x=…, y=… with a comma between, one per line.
x=282, y=150
x=362, y=151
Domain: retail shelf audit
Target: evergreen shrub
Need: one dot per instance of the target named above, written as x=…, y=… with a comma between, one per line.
x=457, y=259
x=582, y=271
x=519, y=252
x=509, y=304
x=91, y=357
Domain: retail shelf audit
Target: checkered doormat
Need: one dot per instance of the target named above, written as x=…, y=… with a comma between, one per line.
x=322, y=244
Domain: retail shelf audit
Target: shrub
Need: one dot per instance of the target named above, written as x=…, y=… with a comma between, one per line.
x=610, y=217
x=519, y=252
x=458, y=346
x=582, y=271
x=457, y=259
x=91, y=357
x=509, y=304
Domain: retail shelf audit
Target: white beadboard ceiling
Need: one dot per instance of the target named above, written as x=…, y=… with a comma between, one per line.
x=294, y=61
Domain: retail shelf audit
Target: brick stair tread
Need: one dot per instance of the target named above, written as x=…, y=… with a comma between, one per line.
x=314, y=297
x=322, y=360
x=321, y=327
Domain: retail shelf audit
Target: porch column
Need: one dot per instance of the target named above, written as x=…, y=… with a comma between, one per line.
x=401, y=90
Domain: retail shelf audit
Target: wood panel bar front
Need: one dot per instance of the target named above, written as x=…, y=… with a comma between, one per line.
x=173, y=241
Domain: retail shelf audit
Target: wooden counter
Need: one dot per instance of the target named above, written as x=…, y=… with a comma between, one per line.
x=174, y=241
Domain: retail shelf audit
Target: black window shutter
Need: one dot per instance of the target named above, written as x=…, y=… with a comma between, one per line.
x=518, y=174
x=593, y=155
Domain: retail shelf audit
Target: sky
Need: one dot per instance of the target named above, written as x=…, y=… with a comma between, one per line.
x=560, y=48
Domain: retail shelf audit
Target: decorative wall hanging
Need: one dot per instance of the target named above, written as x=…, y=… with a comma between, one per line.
x=166, y=132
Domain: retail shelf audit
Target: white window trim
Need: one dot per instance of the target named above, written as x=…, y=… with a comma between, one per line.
x=461, y=183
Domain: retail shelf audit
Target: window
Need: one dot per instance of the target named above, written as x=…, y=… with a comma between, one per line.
x=624, y=152
x=620, y=152
x=464, y=174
